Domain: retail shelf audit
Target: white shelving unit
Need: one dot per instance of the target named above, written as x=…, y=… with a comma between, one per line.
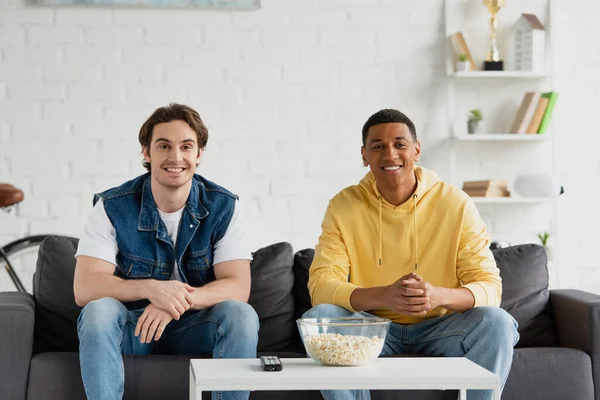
x=493, y=137
x=459, y=14
x=499, y=74
x=472, y=18
x=510, y=200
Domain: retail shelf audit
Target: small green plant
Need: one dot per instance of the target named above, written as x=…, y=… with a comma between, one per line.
x=462, y=57
x=475, y=115
x=544, y=236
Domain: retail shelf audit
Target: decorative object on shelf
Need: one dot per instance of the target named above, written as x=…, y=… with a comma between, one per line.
x=209, y=4
x=475, y=123
x=463, y=64
x=529, y=44
x=537, y=185
x=545, y=241
x=492, y=61
x=460, y=48
x=486, y=188
x=544, y=238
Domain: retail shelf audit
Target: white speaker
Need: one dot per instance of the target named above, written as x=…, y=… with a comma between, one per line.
x=543, y=185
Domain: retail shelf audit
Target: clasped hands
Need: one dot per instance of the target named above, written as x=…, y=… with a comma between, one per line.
x=168, y=301
x=412, y=296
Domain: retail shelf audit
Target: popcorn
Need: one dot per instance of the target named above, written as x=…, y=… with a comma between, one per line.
x=337, y=349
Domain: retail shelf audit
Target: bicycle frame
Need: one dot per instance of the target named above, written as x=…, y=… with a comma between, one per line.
x=11, y=272
x=14, y=247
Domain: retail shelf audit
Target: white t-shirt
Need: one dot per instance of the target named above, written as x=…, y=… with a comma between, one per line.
x=99, y=239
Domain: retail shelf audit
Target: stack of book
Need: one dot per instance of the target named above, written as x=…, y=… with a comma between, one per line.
x=535, y=113
x=487, y=188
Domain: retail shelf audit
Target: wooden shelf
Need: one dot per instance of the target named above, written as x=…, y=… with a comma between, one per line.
x=501, y=74
x=511, y=200
x=533, y=137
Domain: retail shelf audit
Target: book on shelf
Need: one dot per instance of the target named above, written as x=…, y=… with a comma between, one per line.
x=534, y=113
x=491, y=192
x=536, y=119
x=525, y=112
x=484, y=184
x=460, y=47
x=486, y=188
x=552, y=97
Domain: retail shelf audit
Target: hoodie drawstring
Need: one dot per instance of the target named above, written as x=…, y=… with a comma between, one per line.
x=380, y=237
x=416, y=244
x=415, y=227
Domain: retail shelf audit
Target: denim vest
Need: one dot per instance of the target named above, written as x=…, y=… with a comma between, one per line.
x=145, y=248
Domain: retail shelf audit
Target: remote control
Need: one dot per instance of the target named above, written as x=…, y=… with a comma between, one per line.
x=271, y=363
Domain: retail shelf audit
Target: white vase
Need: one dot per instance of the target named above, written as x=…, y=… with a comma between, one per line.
x=475, y=127
x=463, y=66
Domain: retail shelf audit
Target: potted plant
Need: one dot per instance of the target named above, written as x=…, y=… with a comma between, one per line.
x=544, y=240
x=475, y=123
x=463, y=65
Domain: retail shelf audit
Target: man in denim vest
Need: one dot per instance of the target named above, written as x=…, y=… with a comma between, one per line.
x=163, y=265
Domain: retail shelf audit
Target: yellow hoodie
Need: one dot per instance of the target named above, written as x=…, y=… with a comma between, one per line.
x=437, y=230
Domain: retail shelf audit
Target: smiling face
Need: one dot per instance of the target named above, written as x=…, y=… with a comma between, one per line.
x=173, y=154
x=391, y=153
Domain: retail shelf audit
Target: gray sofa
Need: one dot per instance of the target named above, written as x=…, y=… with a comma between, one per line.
x=557, y=357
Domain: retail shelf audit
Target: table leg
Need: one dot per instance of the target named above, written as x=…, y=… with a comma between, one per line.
x=497, y=393
x=463, y=394
x=193, y=394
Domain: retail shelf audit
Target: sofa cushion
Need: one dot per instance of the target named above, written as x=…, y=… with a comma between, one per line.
x=57, y=376
x=525, y=292
x=302, y=261
x=272, y=298
x=55, y=310
x=550, y=373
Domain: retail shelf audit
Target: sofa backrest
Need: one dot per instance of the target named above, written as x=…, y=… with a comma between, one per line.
x=525, y=292
x=272, y=296
x=55, y=310
x=279, y=294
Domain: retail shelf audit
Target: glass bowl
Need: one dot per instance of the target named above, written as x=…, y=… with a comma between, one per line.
x=343, y=341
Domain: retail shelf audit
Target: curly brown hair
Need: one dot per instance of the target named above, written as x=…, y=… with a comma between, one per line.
x=170, y=113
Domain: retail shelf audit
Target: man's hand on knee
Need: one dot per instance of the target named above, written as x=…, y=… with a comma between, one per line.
x=152, y=323
x=173, y=297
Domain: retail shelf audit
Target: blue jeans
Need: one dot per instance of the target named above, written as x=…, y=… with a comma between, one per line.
x=106, y=333
x=484, y=335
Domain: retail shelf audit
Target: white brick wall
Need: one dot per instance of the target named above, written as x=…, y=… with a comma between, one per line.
x=285, y=91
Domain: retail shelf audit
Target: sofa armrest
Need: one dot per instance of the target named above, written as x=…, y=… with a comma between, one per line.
x=17, y=315
x=577, y=317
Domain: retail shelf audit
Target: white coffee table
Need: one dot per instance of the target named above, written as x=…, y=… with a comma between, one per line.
x=304, y=374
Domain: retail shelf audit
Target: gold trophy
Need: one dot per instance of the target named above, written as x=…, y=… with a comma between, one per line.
x=492, y=61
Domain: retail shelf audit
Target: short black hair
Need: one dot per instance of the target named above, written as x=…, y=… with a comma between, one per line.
x=388, y=116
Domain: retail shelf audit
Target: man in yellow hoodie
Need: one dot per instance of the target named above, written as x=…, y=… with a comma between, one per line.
x=407, y=246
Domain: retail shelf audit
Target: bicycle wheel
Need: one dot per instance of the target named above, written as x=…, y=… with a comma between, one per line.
x=22, y=256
